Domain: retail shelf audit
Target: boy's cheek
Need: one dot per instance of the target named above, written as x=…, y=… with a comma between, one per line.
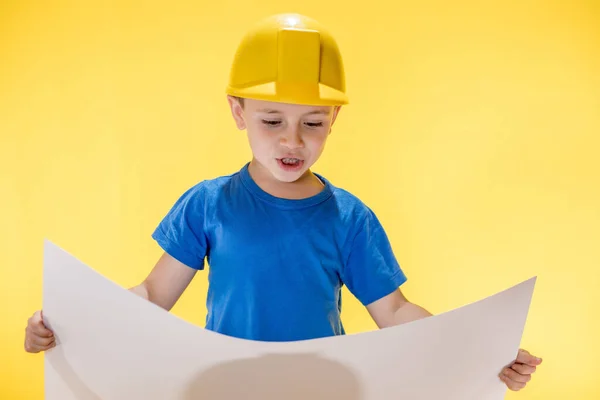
x=262, y=135
x=316, y=143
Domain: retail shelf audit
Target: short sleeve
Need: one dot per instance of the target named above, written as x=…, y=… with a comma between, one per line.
x=181, y=231
x=372, y=270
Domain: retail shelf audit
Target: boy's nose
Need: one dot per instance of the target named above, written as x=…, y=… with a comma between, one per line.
x=292, y=139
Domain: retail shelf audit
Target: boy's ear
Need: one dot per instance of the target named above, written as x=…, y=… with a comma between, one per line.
x=336, y=111
x=237, y=111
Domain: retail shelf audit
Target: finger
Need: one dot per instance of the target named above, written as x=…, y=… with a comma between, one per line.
x=32, y=347
x=515, y=376
x=512, y=385
x=525, y=357
x=36, y=318
x=36, y=349
x=41, y=341
x=523, y=369
x=37, y=325
x=41, y=331
x=51, y=345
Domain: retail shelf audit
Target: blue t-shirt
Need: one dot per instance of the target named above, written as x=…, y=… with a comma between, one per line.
x=277, y=266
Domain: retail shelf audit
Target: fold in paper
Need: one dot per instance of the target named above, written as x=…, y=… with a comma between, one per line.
x=114, y=345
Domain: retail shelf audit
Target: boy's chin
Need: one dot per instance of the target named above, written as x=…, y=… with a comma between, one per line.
x=288, y=177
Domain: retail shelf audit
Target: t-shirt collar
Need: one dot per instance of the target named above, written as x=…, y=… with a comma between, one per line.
x=279, y=202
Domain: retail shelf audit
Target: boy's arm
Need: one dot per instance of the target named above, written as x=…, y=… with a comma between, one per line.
x=395, y=309
x=166, y=282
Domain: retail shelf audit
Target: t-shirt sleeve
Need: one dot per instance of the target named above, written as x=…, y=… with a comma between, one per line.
x=372, y=270
x=181, y=232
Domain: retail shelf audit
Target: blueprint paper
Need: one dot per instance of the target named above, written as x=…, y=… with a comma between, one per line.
x=114, y=345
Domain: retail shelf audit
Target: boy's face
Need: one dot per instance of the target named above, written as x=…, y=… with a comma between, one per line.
x=286, y=139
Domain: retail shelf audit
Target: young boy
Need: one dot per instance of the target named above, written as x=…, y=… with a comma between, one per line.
x=280, y=240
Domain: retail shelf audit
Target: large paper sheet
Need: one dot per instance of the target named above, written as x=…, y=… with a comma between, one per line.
x=113, y=345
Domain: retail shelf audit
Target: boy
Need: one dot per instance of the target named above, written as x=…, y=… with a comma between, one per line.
x=280, y=240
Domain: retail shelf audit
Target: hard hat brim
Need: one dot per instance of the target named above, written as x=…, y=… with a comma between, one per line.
x=299, y=93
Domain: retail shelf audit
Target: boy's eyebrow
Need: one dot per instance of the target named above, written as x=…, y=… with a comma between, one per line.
x=324, y=112
x=273, y=111
x=268, y=111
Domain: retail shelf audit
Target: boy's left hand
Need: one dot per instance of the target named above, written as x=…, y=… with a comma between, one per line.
x=518, y=373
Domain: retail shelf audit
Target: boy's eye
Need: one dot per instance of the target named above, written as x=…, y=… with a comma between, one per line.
x=271, y=122
x=314, y=124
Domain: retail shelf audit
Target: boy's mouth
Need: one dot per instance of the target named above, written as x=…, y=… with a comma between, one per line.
x=290, y=161
x=290, y=164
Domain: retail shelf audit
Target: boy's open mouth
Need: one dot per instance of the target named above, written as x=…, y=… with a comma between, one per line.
x=290, y=161
x=290, y=164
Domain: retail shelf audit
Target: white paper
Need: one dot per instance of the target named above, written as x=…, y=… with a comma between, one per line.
x=113, y=345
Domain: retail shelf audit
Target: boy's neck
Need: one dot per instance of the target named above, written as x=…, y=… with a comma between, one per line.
x=306, y=186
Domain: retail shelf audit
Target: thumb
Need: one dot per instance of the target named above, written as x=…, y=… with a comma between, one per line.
x=39, y=319
x=525, y=357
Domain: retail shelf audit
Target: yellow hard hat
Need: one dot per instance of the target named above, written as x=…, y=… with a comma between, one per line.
x=289, y=58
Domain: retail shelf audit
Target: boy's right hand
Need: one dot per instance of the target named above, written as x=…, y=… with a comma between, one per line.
x=37, y=336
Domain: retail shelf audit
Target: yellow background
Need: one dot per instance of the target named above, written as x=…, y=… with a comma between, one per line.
x=472, y=132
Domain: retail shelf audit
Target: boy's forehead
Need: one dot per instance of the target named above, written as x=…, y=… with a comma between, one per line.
x=285, y=108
